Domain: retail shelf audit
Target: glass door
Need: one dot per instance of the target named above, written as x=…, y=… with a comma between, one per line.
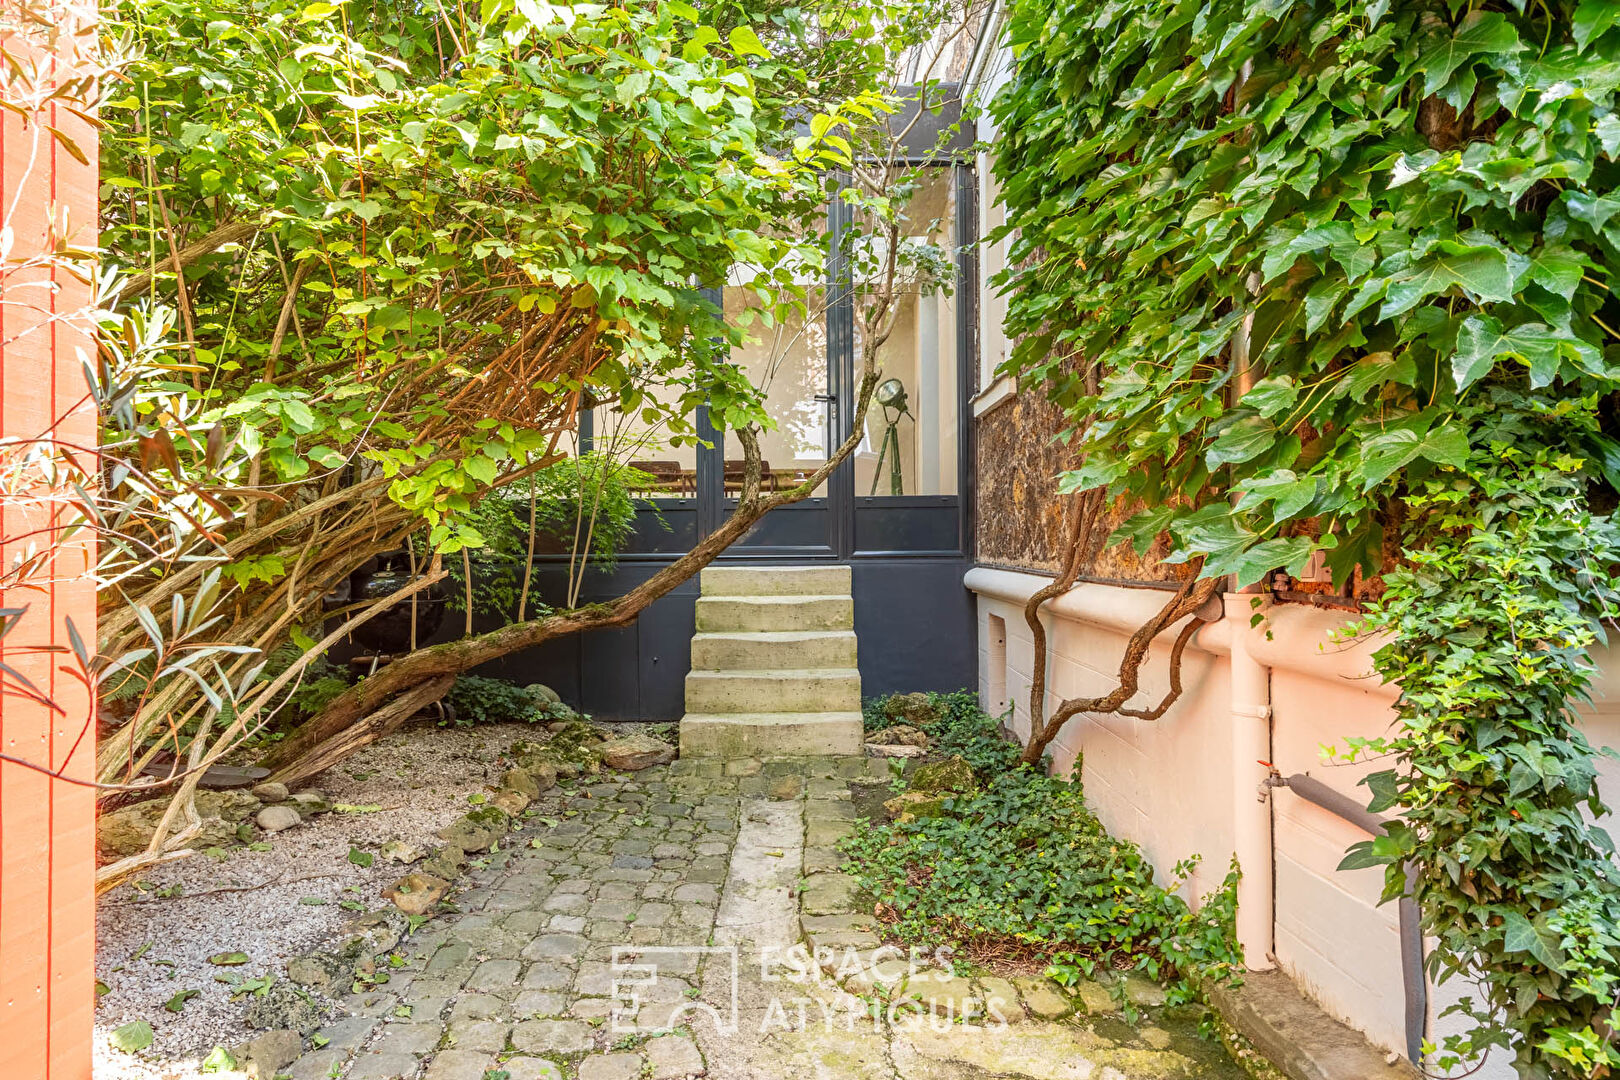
x=794, y=365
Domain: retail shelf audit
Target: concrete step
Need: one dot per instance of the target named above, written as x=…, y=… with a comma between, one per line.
x=783, y=734
x=795, y=690
x=776, y=581
x=749, y=614
x=765, y=651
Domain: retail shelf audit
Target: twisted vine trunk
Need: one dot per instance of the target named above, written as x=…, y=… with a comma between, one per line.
x=1086, y=538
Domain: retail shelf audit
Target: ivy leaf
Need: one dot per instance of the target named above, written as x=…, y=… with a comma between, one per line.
x=480, y=468
x=1481, y=32
x=1482, y=340
x=228, y=959
x=1557, y=268
x=133, y=1037
x=1210, y=531
x=1242, y=441
x=1385, y=788
x=1481, y=270
x=1290, y=493
x=744, y=42
x=1272, y=396
x=1608, y=132
x=362, y=859
x=1361, y=855
x=1388, y=451
x=1260, y=560
x=178, y=1002
x=1592, y=18
x=1143, y=528
x=1375, y=369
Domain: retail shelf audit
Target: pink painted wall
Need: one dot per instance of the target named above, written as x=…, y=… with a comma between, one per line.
x=47, y=826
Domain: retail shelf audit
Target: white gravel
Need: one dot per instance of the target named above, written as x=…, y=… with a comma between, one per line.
x=421, y=778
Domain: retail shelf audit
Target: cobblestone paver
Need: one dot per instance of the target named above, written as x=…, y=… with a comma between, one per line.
x=620, y=934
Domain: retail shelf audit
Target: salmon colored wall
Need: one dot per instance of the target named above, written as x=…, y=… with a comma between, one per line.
x=47, y=826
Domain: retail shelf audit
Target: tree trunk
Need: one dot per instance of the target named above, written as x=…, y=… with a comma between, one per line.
x=369, y=730
x=136, y=285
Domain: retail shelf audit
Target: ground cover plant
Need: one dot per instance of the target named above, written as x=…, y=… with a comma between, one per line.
x=1017, y=868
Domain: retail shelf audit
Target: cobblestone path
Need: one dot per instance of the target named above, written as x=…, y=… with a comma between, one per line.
x=689, y=920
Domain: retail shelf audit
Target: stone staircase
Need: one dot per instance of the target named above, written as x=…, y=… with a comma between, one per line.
x=773, y=665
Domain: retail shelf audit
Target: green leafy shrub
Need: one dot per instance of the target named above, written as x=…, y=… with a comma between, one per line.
x=312, y=697
x=480, y=700
x=583, y=504
x=1025, y=861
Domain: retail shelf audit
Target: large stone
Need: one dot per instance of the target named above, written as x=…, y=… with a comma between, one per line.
x=444, y=862
x=271, y=791
x=283, y=1005
x=128, y=831
x=264, y=1057
x=318, y=971
x=610, y=1067
x=552, y=1037
x=673, y=1057
x=571, y=751
x=400, y=851
x=231, y=806
x=899, y=735
x=541, y=694
x=1043, y=998
x=311, y=802
x=828, y=894
x=415, y=894
x=277, y=818
x=520, y=781
x=478, y=830
x=911, y=805
x=509, y=802
x=371, y=934
x=915, y=710
x=885, y=751
x=635, y=752
x=953, y=774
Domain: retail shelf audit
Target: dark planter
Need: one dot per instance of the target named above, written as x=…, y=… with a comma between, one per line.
x=390, y=631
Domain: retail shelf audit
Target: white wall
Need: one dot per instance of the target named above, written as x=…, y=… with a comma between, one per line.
x=1173, y=787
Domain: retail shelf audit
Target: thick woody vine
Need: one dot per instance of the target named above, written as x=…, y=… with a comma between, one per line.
x=1405, y=215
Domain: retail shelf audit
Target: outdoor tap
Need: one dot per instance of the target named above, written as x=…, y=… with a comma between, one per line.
x=1273, y=779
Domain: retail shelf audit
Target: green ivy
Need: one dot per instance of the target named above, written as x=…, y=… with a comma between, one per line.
x=1493, y=618
x=1402, y=214
x=1024, y=862
x=959, y=726
x=481, y=700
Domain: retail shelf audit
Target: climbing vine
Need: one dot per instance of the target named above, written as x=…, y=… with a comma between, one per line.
x=1335, y=276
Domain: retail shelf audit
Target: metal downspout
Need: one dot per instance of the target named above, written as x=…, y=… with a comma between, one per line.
x=1251, y=810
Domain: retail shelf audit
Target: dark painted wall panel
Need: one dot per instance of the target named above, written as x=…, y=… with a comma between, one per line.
x=915, y=623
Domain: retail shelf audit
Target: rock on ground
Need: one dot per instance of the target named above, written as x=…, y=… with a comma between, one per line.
x=632, y=753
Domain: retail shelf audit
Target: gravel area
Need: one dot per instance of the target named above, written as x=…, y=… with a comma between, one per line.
x=288, y=899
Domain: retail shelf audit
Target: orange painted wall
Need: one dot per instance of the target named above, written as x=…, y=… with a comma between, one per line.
x=47, y=825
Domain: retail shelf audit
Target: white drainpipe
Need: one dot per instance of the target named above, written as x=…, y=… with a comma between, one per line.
x=1251, y=805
